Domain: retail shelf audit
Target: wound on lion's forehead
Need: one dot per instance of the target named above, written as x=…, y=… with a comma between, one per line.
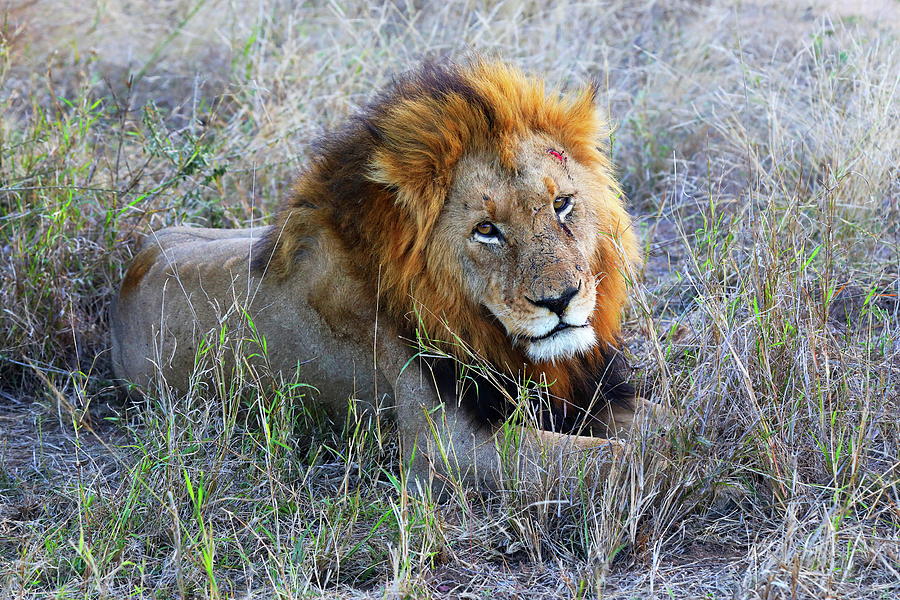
x=557, y=155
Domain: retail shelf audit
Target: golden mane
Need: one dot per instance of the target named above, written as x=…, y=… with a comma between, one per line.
x=378, y=187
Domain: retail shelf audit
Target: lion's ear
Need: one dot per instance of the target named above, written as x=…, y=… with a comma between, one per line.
x=585, y=125
x=415, y=178
x=591, y=91
x=417, y=185
x=418, y=142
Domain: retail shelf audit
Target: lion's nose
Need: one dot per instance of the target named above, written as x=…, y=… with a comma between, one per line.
x=558, y=304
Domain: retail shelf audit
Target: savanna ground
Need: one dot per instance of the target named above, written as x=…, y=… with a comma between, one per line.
x=759, y=147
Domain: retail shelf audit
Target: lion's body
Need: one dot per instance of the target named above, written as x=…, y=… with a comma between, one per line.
x=465, y=203
x=201, y=283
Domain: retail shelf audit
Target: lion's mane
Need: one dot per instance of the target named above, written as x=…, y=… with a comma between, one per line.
x=378, y=186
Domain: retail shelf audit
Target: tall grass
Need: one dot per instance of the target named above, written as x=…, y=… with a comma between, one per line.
x=758, y=145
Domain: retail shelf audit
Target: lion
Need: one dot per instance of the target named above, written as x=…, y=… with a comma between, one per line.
x=466, y=206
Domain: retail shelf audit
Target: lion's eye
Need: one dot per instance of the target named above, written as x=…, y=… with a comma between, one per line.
x=487, y=232
x=563, y=206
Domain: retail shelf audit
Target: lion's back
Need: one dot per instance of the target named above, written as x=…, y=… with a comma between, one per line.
x=166, y=284
x=189, y=284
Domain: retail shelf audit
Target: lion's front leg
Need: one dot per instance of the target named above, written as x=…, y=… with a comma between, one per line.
x=441, y=445
x=623, y=421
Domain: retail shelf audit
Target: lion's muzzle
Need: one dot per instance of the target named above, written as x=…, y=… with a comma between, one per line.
x=549, y=326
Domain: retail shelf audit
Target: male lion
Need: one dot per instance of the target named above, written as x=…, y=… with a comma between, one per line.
x=465, y=204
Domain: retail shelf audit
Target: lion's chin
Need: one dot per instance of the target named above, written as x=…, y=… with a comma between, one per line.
x=562, y=345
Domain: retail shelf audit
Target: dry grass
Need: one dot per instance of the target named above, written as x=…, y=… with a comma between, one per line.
x=759, y=147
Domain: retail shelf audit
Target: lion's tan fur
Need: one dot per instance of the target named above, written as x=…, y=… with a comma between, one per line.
x=376, y=241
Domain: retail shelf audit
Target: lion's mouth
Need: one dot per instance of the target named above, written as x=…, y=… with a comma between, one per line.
x=561, y=326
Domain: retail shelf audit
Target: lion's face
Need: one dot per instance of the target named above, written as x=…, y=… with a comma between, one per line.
x=525, y=241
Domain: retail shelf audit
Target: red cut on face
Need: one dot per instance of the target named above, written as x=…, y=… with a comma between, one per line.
x=556, y=154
